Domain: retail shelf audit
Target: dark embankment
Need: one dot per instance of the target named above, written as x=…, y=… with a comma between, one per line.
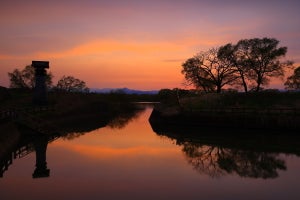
x=274, y=111
x=68, y=112
x=259, y=140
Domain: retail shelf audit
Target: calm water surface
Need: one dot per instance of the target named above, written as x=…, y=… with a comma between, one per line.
x=133, y=162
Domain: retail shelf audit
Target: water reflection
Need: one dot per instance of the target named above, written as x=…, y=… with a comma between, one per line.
x=40, y=145
x=253, y=156
x=29, y=141
x=17, y=141
x=217, y=161
x=123, y=119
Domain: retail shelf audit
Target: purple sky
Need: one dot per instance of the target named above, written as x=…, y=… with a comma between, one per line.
x=136, y=44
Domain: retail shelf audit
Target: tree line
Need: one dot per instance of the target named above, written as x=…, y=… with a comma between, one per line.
x=249, y=64
x=25, y=79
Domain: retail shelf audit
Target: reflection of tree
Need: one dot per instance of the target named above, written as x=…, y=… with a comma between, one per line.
x=216, y=152
x=203, y=159
x=217, y=161
x=121, y=120
x=252, y=164
x=116, y=121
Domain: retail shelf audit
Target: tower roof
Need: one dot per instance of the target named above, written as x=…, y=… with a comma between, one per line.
x=40, y=64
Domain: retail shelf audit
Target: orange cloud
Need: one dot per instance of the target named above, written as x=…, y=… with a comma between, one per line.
x=107, y=152
x=5, y=57
x=107, y=47
x=120, y=63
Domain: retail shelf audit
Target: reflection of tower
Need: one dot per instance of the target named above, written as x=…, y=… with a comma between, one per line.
x=40, y=144
x=40, y=90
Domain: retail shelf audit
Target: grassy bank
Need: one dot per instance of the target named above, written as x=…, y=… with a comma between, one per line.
x=261, y=100
x=71, y=112
x=269, y=109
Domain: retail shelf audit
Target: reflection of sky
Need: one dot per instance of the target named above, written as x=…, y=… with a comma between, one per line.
x=126, y=43
x=133, y=163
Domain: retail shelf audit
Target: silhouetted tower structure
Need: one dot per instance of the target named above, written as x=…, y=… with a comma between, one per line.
x=40, y=89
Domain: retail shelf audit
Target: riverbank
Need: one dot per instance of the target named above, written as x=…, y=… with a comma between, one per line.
x=273, y=111
x=66, y=112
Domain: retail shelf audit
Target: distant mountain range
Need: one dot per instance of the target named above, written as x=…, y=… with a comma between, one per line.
x=122, y=90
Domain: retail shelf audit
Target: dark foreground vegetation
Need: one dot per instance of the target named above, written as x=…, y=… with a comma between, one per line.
x=69, y=111
x=16, y=97
x=269, y=109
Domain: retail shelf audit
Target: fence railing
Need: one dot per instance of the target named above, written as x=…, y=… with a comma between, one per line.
x=293, y=111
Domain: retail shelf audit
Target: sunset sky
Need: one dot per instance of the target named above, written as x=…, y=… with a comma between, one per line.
x=134, y=43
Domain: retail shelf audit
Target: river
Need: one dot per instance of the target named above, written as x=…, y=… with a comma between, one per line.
x=130, y=161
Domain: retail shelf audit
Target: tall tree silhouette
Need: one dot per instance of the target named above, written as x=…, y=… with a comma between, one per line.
x=231, y=53
x=25, y=78
x=293, y=81
x=249, y=64
x=260, y=59
x=209, y=71
x=71, y=84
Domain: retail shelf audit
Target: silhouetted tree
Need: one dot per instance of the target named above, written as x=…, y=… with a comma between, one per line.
x=260, y=60
x=231, y=53
x=25, y=78
x=293, y=82
x=195, y=75
x=209, y=71
x=71, y=84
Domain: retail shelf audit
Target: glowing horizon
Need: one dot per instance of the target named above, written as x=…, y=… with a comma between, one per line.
x=134, y=44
